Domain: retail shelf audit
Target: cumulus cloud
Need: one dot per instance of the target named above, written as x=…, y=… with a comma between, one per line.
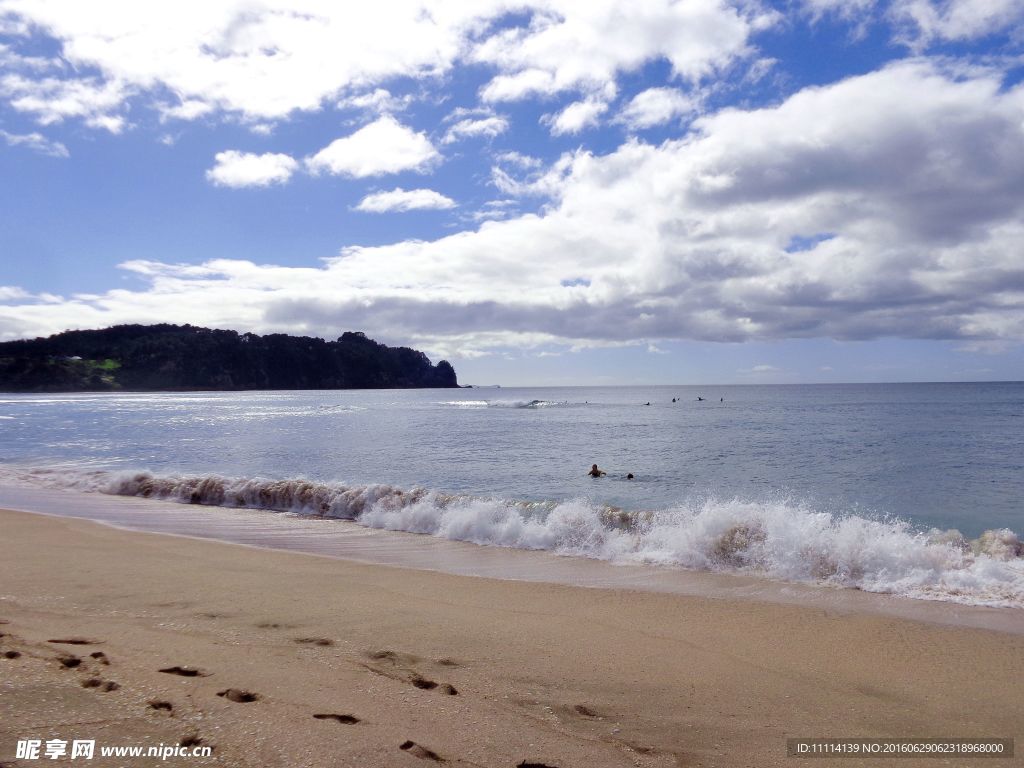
x=244, y=169
x=473, y=127
x=382, y=147
x=924, y=21
x=379, y=100
x=259, y=60
x=656, y=106
x=36, y=142
x=402, y=200
x=905, y=187
x=52, y=100
x=573, y=46
x=264, y=61
x=576, y=117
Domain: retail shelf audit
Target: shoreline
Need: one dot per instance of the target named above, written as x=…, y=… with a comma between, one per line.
x=544, y=673
x=347, y=540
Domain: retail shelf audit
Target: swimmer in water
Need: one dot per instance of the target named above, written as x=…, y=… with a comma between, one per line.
x=629, y=476
x=595, y=472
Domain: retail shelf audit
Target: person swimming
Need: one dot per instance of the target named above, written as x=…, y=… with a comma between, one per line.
x=595, y=472
x=629, y=476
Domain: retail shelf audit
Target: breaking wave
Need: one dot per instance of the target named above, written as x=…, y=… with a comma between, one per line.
x=778, y=539
x=502, y=403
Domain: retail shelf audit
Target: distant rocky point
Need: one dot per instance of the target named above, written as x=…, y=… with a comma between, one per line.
x=184, y=357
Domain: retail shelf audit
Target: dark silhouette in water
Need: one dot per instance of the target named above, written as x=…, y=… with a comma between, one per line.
x=700, y=399
x=629, y=476
x=173, y=357
x=595, y=472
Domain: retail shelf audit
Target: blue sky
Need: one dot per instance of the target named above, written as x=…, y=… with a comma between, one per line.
x=542, y=192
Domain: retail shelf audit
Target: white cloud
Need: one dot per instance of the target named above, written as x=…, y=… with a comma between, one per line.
x=576, y=117
x=189, y=109
x=244, y=169
x=494, y=210
x=584, y=46
x=518, y=159
x=847, y=9
x=260, y=60
x=379, y=101
x=924, y=21
x=13, y=293
x=402, y=200
x=538, y=181
x=264, y=61
x=656, y=106
x=36, y=142
x=382, y=147
x=490, y=126
x=915, y=173
x=52, y=100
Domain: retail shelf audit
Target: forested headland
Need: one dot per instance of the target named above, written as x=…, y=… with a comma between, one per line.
x=186, y=357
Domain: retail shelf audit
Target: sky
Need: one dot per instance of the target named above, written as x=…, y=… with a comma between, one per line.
x=551, y=192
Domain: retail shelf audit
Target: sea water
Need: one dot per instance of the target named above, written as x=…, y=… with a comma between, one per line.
x=907, y=489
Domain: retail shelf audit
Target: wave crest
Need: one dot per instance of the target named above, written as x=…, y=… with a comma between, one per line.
x=779, y=539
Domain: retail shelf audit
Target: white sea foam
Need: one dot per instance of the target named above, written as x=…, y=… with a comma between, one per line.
x=502, y=403
x=779, y=539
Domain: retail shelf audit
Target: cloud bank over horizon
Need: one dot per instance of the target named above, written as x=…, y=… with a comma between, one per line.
x=599, y=175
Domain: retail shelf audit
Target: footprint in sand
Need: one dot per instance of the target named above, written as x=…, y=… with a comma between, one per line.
x=103, y=685
x=274, y=625
x=313, y=641
x=12, y=654
x=417, y=750
x=345, y=719
x=528, y=764
x=184, y=672
x=69, y=662
x=406, y=674
x=100, y=656
x=429, y=685
x=192, y=740
x=75, y=641
x=239, y=696
x=160, y=706
x=583, y=709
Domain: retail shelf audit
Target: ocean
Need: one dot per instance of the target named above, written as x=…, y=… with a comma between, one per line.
x=914, y=490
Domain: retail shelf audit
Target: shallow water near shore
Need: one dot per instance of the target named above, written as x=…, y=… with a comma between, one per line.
x=911, y=490
x=347, y=540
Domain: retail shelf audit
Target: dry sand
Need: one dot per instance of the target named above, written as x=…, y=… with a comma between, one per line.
x=471, y=671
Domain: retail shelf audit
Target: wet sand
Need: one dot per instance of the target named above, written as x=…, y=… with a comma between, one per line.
x=411, y=667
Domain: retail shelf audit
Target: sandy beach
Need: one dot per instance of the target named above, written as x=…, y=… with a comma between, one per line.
x=362, y=665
